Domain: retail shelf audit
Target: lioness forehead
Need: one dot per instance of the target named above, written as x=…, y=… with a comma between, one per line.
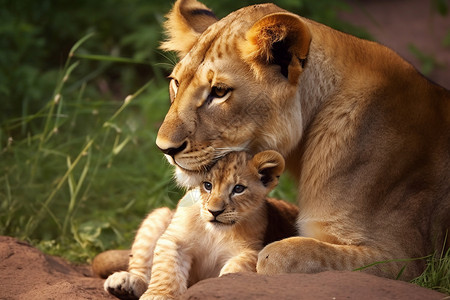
x=221, y=39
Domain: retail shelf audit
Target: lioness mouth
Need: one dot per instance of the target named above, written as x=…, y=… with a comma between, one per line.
x=203, y=169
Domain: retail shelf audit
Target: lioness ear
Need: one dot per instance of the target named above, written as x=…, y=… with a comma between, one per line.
x=269, y=165
x=279, y=39
x=185, y=23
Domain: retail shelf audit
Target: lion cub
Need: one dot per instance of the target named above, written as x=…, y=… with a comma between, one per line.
x=223, y=233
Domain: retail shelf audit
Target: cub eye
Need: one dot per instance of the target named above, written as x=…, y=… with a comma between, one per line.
x=219, y=92
x=207, y=186
x=238, y=189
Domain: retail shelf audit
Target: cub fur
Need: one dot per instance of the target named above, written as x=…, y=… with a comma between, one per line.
x=223, y=233
x=366, y=136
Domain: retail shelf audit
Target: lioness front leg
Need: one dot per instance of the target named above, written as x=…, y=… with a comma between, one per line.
x=308, y=255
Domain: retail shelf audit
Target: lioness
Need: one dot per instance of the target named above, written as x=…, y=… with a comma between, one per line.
x=366, y=137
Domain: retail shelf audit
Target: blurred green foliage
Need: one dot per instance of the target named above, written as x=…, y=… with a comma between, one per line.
x=37, y=35
x=441, y=6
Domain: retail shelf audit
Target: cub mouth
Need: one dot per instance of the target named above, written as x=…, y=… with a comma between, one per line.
x=218, y=223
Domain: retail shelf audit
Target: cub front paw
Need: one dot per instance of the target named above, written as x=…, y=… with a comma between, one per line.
x=125, y=285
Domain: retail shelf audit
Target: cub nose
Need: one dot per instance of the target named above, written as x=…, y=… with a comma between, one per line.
x=215, y=213
x=173, y=151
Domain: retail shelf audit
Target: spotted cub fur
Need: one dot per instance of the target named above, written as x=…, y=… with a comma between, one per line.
x=223, y=233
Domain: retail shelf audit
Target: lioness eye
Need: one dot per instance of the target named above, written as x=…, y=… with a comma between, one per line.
x=238, y=189
x=174, y=84
x=219, y=92
x=208, y=186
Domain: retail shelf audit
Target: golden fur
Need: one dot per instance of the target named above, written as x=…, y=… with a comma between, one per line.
x=109, y=262
x=366, y=137
x=222, y=233
x=127, y=284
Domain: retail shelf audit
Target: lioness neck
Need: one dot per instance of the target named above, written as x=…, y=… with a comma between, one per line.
x=335, y=88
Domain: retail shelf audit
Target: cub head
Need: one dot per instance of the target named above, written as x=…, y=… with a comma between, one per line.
x=236, y=186
x=235, y=86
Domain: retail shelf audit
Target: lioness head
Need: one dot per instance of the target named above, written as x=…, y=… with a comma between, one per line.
x=236, y=186
x=235, y=84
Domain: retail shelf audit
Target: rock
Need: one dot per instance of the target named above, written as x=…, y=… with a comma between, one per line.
x=326, y=285
x=27, y=273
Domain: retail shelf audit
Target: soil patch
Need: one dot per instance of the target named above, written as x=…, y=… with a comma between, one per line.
x=26, y=273
x=326, y=285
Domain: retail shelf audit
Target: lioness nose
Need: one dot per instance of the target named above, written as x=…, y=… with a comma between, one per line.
x=173, y=151
x=215, y=213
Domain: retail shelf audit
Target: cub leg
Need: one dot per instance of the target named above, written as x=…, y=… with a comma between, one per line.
x=308, y=255
x=244, y=262
x=171, y=266
x=146, y=238
x=132, y=284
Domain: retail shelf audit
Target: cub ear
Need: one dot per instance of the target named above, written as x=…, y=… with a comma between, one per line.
x=185, y=23
x=281, y=39
x=269, y=165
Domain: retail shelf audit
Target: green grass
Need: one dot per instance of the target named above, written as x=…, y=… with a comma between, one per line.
x=437, y=273
x=87, y=170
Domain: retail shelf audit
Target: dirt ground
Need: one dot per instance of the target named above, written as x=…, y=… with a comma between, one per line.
x=26, y=273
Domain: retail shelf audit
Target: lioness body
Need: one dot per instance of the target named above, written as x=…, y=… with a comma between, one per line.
x=222, y=233
x=365, y=135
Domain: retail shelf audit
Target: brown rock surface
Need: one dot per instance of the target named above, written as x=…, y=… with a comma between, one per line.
x=326, y=285
x=26, y=273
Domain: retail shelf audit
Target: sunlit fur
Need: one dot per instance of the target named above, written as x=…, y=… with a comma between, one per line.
x=196, y=245
x=365, y=136
x=133, y=283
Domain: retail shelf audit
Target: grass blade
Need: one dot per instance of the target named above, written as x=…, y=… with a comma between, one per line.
x=116, y=59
